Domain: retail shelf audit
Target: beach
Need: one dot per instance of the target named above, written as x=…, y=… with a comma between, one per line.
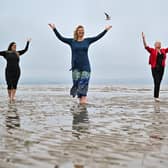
x=120, y=127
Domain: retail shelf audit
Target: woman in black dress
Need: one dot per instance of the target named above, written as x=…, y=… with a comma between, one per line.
x=12, y=72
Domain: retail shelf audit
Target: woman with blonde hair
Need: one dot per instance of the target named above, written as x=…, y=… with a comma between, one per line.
x=80, y=62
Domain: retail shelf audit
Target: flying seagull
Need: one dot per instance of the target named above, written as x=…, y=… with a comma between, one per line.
x=108, y=17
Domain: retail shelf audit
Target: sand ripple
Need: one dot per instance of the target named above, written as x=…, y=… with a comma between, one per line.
x=121, y=127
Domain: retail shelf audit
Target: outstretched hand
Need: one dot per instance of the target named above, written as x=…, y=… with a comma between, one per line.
x=51, y=25
x=108, y=27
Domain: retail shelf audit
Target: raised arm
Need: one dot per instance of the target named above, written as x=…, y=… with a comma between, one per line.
x=144, y=40
x=145, y=43
x=21, y=52
x=99, y=36
x=59, y=36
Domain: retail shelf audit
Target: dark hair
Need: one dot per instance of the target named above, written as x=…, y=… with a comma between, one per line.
x=10, y=46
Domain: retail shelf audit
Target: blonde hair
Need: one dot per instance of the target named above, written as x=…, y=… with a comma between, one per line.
x=76, y=31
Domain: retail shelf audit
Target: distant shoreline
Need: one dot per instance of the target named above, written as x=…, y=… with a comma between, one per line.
x=91, y=86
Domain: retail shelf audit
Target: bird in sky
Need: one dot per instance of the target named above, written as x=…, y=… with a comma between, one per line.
x=108, y=17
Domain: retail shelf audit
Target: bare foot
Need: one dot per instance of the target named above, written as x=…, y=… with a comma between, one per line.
x=83, y=100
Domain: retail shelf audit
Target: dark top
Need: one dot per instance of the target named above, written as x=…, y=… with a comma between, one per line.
x=12, y=57
x=159, y=61
x=80, y=60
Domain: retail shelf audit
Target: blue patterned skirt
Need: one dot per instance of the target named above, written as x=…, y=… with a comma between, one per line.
x=80, y=83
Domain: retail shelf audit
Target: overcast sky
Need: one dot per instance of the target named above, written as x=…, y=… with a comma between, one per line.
x=118, y=57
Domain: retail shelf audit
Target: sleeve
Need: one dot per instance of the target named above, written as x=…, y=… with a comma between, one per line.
x=99, y=36
x=149, y=49
x=3, y=53
x=21, y=52
x=166, y=50
x=61, y=38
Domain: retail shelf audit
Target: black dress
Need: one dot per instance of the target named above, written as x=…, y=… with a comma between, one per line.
x=12, y=72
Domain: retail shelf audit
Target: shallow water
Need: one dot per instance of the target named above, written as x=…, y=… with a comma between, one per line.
x=120, y=127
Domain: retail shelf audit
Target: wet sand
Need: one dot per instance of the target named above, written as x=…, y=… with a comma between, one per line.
x=121, y=127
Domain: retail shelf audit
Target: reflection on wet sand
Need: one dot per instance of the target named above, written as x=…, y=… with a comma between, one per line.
x=157, y=107
x=12, y=117
x=11, y=142
x=75, y=166
x=78, y=166
x=157, y=128
x=80, y=123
